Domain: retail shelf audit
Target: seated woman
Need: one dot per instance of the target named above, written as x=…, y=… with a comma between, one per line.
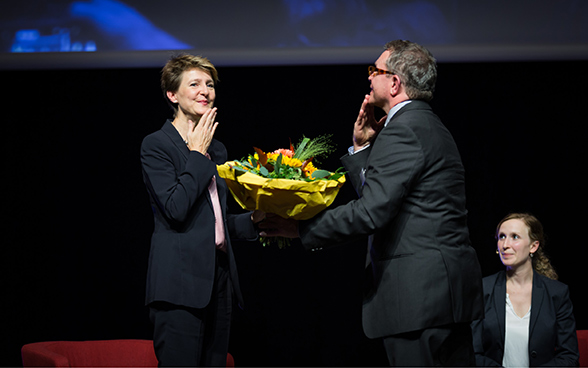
x=528, y=313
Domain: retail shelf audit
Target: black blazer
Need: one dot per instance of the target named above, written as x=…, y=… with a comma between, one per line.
x=182, y=258
x=552, y=328
x=423, y=271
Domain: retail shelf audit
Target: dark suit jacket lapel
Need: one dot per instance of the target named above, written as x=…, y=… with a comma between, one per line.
x=500, y=303
x=536, y=301
x=170, y=130
x=175, y=137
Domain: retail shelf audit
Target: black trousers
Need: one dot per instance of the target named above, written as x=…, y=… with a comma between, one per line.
x=191, y=337
x=443, y=346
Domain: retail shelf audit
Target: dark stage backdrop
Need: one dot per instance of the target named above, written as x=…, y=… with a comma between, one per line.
x=77, y=219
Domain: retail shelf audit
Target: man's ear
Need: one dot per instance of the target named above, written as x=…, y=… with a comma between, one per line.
x=395, y=85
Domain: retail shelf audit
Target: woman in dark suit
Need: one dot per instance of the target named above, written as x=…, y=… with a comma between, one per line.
x=528, y=313
x=192, y=274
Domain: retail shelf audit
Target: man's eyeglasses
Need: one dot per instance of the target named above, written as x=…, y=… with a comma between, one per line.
x=372, y=69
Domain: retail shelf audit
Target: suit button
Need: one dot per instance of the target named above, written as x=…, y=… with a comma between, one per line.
x=533, y=354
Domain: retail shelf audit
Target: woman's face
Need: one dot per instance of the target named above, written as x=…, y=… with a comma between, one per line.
x=195, y=95
x=514, y=243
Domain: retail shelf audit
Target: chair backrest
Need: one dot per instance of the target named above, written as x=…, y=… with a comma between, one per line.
x=583, y=347
x=97, y=353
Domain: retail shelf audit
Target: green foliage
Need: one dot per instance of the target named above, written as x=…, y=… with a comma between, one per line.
x=284, y=167
x=313, y=148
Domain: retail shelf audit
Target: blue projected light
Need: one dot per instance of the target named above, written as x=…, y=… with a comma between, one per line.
x=31, y=40
x=89, y=26
x=113, y=33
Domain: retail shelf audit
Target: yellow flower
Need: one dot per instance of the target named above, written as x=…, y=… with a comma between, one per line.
x=293, y=162
x=256, y=156
x=286, y=160
x=309, y=169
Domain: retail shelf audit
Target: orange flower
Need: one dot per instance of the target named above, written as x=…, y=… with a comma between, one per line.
x=284, y=152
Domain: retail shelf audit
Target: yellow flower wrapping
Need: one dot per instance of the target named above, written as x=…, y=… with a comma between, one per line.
x=287, y=198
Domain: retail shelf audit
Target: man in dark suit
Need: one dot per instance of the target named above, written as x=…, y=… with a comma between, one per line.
x=424, y=280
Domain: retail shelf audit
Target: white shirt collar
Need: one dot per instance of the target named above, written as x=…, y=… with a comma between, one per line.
x=395, y=109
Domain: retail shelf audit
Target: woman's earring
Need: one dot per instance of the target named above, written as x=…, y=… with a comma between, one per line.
x=531, y=255
x=497, y=252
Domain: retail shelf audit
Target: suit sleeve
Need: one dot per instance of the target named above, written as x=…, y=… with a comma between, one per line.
x=174, y=189
x=566, y=350
x=395, y=159
x=241, y=227
x=355, y=166
x=493, y=356
x=477, y=333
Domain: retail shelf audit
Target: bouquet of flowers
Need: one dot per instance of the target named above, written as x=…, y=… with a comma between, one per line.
x=285, y=181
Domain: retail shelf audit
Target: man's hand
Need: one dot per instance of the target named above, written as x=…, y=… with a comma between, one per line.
x=257, y=216
x=366, y=127
x=274, y=225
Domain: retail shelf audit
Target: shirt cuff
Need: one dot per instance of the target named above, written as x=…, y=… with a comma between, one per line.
x=351, y=151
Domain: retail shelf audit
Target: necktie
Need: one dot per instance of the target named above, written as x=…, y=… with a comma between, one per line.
x=219, y=227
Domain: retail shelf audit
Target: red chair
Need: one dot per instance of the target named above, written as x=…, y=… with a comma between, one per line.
x=583, y=347
x=99, y=353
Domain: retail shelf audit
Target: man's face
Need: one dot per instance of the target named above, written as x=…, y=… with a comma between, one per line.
x=380, y=83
